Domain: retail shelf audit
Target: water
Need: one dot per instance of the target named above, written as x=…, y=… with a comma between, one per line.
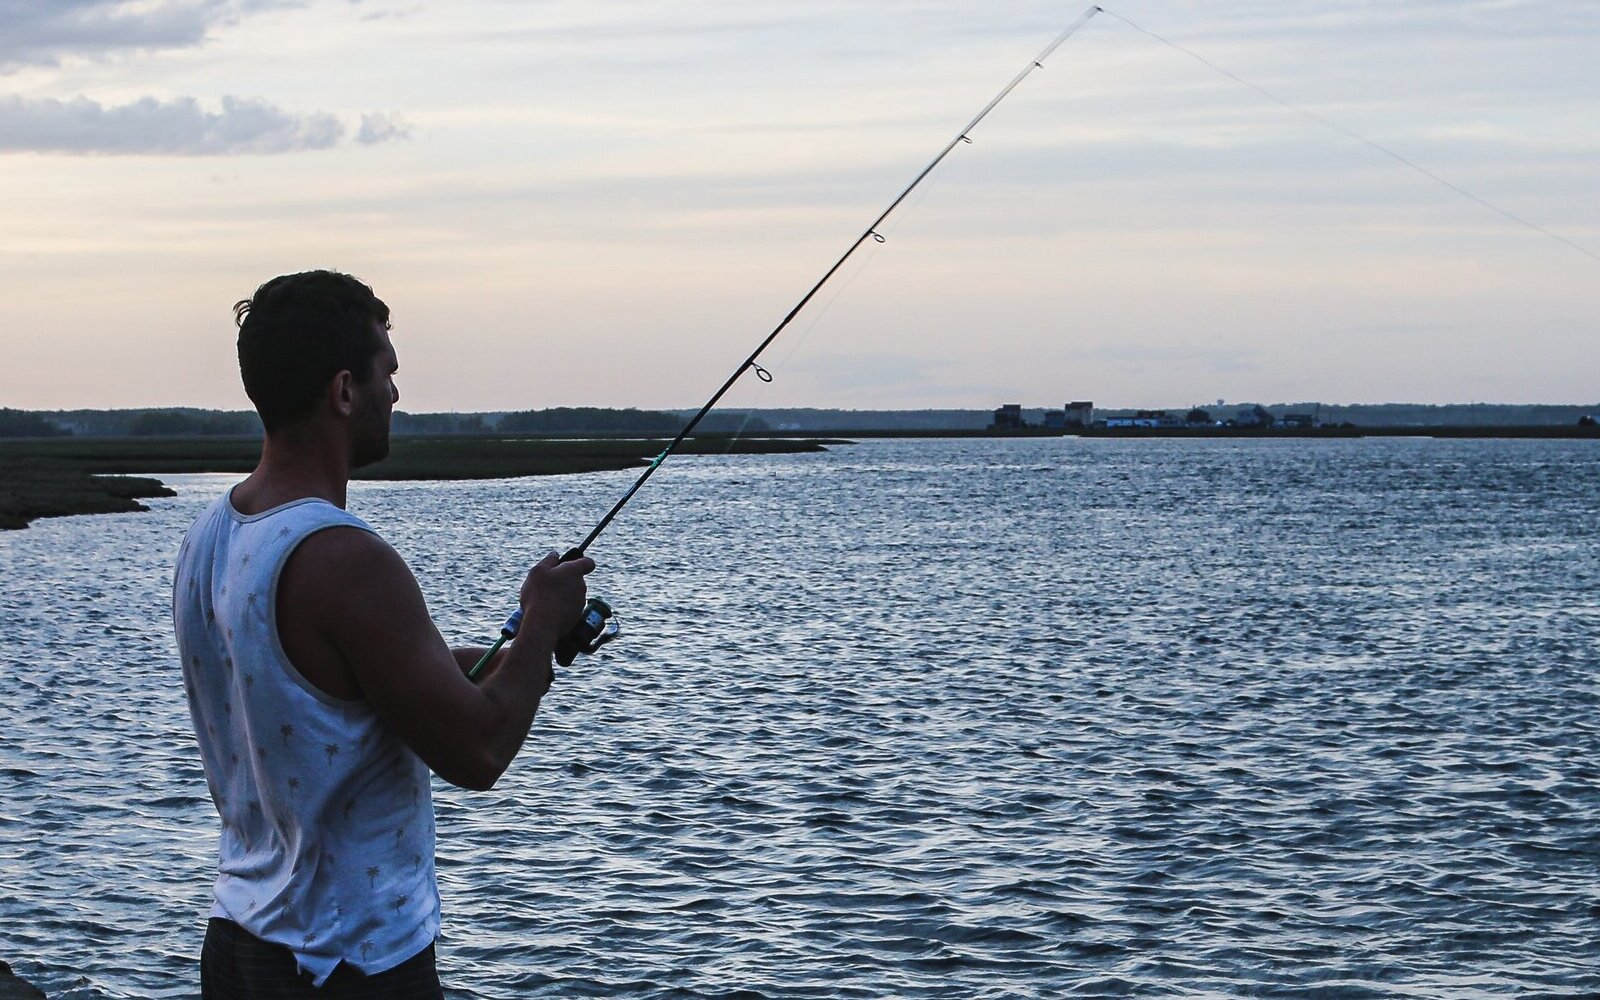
x=920, y=719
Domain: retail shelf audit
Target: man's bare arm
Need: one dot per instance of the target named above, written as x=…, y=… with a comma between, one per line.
x=349, y=604
x=467, y=657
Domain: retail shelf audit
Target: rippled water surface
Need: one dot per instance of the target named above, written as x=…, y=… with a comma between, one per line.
x=920, y=719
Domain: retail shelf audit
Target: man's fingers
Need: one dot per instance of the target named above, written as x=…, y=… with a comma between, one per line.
x=552, y=563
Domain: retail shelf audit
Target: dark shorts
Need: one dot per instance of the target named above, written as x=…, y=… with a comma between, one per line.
x=236, y=965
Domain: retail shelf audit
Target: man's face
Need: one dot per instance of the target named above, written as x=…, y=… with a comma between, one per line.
x=375, y=399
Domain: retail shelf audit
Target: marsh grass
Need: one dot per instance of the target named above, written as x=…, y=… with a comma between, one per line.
x=53, y=477
x=32, y=489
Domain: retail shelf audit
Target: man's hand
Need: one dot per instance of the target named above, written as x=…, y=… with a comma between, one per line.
x=553, y=597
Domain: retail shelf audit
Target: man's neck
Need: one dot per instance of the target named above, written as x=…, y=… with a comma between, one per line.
x=293, y=467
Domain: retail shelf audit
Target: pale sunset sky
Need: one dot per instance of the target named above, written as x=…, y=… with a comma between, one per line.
x=610, y=202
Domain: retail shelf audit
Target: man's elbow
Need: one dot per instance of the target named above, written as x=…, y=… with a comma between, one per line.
x=478, y=774
x=476, y=783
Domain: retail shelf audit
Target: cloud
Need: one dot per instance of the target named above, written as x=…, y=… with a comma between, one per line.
x=379, y=127
x=43, y=32
x=178, y=127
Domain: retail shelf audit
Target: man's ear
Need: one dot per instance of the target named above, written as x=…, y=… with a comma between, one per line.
x=342, y=393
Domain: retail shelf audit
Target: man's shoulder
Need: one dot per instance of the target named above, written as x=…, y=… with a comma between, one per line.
x=344, y=549
x=342, y=565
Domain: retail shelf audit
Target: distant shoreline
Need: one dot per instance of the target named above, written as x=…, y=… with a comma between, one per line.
x=1559, y=431
x=1542, y=431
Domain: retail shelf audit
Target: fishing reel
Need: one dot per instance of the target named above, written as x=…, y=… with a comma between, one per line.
x=597, y=627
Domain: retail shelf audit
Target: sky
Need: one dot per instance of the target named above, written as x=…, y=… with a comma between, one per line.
x=611, y=202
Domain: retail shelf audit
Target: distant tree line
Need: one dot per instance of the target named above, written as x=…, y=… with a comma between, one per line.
x=723, y=423
x=175, y=421
x=1399, y=414
x=182, y=423
x=21, y=423
x=588, y=420
x=439, y=423
x=822, y=421
x=1448, y=414
x=192, y=422
x=599, y=420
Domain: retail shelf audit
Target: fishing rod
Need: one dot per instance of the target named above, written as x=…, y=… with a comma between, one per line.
x=599, y=625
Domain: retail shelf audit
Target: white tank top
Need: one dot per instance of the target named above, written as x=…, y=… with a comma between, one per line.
x=327, y=818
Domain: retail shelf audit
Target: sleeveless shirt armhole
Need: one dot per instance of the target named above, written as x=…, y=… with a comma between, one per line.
x=272, y=618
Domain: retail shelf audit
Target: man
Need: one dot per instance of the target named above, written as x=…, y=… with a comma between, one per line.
x=320, y=689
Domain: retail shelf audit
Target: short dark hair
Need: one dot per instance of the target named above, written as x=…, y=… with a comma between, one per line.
x=300, y=330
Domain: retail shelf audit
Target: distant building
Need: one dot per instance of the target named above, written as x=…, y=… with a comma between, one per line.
x=1008, y=418
x=1298, y=420
x=1254, y=416
x=1079, y=414
x=1145, y=418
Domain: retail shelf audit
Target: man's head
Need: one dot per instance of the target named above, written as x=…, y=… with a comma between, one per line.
x=316, y=340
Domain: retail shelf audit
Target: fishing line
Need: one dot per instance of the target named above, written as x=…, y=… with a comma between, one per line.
x=1352, y=134
x=598, y=625
x=817, y=313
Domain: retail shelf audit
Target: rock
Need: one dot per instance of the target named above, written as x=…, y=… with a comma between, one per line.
x=12, y=988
